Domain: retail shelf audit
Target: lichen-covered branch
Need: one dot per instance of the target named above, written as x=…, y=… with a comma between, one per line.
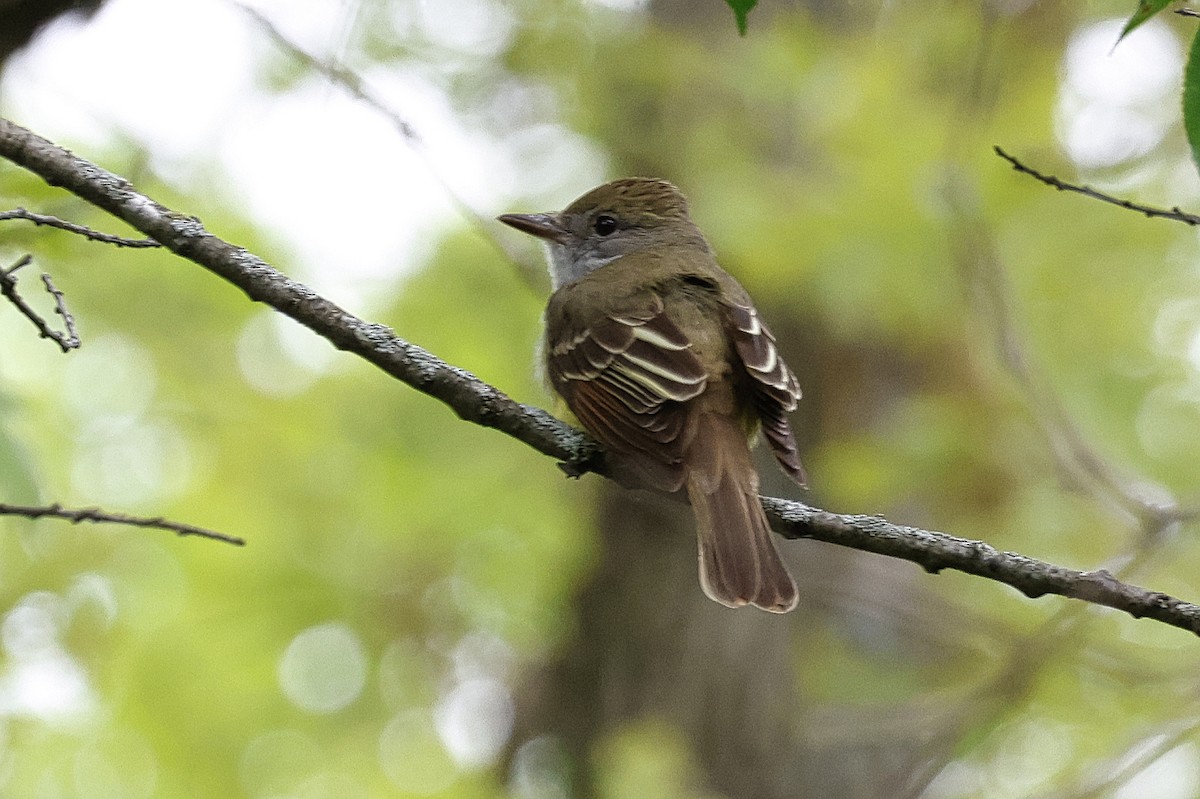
x=936, y=551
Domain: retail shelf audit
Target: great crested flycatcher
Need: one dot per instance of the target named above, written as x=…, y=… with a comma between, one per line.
x=663, y=358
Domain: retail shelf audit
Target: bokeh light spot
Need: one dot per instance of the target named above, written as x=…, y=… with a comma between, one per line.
x=412, y=755
x=274, y=762
x=324, y=668
x=1116, y=102
x=475, y=720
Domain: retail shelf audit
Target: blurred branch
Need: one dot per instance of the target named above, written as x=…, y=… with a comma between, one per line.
x=1175, y=213
x=353, y=84
x=72, y=227
x=1152, y=505
x=8, y=289
x=1137, y=758
x=98, y=516
x=476, y=401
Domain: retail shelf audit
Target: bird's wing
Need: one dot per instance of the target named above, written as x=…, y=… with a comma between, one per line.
x=774, y=386
x=624, y=376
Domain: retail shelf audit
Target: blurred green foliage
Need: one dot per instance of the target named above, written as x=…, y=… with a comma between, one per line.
x=840, y=161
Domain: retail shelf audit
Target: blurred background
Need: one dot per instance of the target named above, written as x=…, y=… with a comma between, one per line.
x=427, y=608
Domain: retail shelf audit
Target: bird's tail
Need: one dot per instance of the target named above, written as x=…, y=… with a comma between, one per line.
x=739, y=564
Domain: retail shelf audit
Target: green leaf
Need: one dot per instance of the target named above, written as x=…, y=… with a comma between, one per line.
x=1145, y=10
x=1191, y=99
x=741, y=9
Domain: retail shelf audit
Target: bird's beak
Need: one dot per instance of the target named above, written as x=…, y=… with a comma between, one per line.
x=544, y=226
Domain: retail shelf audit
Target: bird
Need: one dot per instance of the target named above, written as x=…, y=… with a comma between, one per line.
x=662, y=357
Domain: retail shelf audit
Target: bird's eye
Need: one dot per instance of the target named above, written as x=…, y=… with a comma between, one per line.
x=604, y=224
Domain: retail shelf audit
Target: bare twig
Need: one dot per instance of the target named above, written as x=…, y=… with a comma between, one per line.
x=1175, y=213
x=1187, y=12
x=99, y=516
x=72, y=227
x=60, y=308
x=8, y=289
x=476, y=401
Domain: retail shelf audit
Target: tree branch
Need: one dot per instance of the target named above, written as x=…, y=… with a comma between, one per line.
x=8, y=289
x=98, y=516
x=476, y=401
x=936, y=551
x=1176, y=213
x=77, y=229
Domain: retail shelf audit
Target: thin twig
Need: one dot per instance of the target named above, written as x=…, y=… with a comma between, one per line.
x=476, y=401
x=1176, y=213
x=1187, y=12
x=8, y=289
x=24, y=261
x=72, y=227
x=1156, y=515
x=99, y=516
x=353, y=84
x=60, y=308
